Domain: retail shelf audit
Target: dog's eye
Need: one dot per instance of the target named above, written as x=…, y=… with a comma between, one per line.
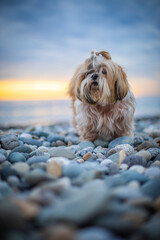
x=104, y=71
x=87, y=73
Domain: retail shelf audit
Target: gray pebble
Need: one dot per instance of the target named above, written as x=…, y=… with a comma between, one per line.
x=5, y=189
x=62, y=152
x=152, y=188
x=94, y=233
x=86, y=144
x=134, y=160
x=154, y=152
x=121, y=140
x=37, y=159
x=2, y=158
x=9, y=141
x=16, y=157
x=22, y=149
x=153, y=172
x=31, y=141
x=100, y=142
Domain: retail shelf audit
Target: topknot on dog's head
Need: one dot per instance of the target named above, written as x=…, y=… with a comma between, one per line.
x=104, y=54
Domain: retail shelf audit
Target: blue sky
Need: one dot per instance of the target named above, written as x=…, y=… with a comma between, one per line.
x=48, y=39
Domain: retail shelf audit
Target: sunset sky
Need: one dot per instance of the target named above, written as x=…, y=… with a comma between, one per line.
x=42, y=43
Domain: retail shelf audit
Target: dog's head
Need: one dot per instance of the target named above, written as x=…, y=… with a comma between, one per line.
x=99, y=80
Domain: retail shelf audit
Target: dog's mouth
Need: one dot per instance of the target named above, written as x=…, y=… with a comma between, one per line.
x=92, y=93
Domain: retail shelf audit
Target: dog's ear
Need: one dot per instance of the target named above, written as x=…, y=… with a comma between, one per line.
x=105, y=54
x=121, y=84
x=73, y=84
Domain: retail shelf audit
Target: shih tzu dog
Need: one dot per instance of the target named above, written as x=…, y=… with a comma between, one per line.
x=103, y=104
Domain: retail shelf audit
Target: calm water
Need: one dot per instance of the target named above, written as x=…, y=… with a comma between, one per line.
x=48, y=112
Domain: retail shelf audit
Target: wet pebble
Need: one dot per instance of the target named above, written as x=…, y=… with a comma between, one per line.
x=54, y=168
x=153, y=172
x=62, y=152
x=21, y=167
x=118, y=157
x=137, y=168
x=22, y=149
x=37, y=159
x=9, y=141
x=87, y=156
x=154, y=152
x=86, y=144
x=134, y=160
x=144, y=154
x=5, y=189
x=100, y=142
x=16, y=157
x=151, y=188
x=30, y=141
x=2, y=158
x=128, y=149
x=72, y=170
x=120, y=140
x=94, y=233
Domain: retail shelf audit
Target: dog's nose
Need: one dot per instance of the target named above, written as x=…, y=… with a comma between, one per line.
x=94, y=76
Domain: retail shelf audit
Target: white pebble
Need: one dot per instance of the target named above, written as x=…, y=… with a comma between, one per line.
x=123, y=166
x=106, y=162
x=138, y=168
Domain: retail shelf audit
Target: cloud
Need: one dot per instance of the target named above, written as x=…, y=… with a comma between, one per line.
x=50, y=38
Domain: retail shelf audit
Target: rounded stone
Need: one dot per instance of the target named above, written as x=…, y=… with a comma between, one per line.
x=144, y=154
x=87, y=156
x=137, y=168
x=80, y=160
x=61, y=160
x=2, y=158
x=106, y=162
x=60, y=143
x=9, y=141
x=21, y=167
x=120, y=140
x=100, y=155
x=126, y=147
x=154, y=152
x=100, y=142
x=3, y=151
x=54, y=168
x=72, y=170
x=135, y=160
x=151, y=188
x=118, y=157
x=157, y=157
x=123, y=167
x=38, y=159
x=86, y=144
x=94, y=233
x=5, y=189
x=16, y=157
x=26, y=135
x=29, y=209
x=156, y=164
x=62, y=152
x=99, y=149
x=153, y=172
x=13, y=180
x=22, y=149
x=134, y=185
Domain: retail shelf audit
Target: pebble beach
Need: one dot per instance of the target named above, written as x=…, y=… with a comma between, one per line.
x=55, y=187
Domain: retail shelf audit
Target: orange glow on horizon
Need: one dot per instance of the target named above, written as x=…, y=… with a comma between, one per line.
x=16, y=90
x=21, y=90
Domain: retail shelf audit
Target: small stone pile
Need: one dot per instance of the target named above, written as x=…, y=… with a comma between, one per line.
x=55, y=187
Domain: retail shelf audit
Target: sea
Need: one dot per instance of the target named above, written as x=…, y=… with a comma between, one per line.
x=22, y=113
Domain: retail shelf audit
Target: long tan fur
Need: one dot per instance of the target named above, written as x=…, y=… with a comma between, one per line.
x=102, y=107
